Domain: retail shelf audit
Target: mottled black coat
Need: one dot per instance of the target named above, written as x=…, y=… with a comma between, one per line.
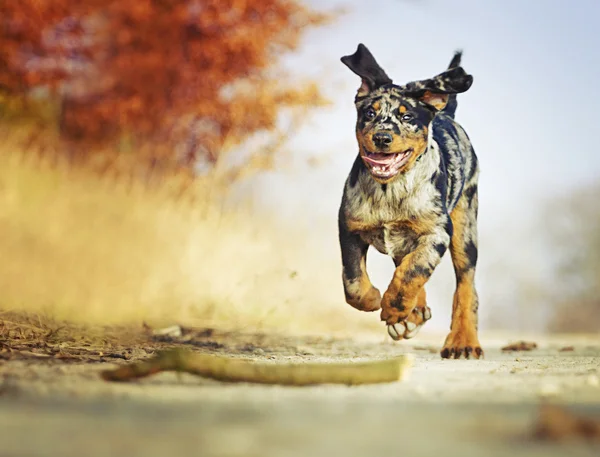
x=411, y=194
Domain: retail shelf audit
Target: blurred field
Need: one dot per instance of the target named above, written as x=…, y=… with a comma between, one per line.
x=93, y=250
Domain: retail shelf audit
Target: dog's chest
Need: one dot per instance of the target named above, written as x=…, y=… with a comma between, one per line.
x=394, y=240
x=391, y=218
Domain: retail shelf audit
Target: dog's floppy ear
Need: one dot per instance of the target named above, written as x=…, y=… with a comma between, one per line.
x=435, y=91
x=364, y=65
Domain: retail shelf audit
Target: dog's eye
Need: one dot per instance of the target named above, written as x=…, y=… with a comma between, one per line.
x=407, y=117
x=370, y=113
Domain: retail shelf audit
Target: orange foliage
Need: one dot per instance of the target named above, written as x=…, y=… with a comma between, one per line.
x=165, y=72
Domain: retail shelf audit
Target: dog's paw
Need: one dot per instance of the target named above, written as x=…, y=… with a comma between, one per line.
x=409, y=328
x=462, y=343
x=371, y=301
x=394, y=308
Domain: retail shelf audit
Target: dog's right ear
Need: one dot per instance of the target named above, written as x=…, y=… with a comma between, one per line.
x=437, y=90
x=364, y=65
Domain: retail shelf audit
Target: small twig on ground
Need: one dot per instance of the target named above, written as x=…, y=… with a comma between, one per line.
x=520, y=346
x=557, y=424
x=239, y=370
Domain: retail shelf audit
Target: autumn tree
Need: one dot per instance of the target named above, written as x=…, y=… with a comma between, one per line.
x=185, y=80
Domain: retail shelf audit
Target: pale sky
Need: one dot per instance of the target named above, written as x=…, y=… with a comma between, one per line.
x=531, y=114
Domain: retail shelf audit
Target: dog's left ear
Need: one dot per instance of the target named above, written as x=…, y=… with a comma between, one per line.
x=435, y=91
x=364, y=65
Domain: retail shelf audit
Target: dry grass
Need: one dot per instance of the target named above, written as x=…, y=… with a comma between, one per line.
x=80, y=248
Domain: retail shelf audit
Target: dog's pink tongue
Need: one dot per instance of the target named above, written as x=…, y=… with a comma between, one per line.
x=379, y=159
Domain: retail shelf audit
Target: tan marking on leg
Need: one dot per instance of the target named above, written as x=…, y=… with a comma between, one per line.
x=462, y=339
x=459, y=219
x=355, y=226
x=360, y=293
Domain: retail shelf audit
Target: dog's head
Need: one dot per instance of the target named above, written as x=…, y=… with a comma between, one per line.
x=393, y=121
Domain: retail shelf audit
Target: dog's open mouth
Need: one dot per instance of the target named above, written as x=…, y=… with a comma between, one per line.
x=385, y=165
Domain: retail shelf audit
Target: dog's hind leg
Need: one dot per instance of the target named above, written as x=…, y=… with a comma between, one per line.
x=463, y=340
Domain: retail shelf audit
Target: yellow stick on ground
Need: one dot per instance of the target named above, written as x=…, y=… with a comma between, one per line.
x=239, y=370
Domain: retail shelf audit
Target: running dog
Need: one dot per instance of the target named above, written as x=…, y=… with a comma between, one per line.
x=411, y=194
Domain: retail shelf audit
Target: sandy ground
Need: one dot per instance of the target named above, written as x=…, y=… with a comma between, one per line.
x=52, y=407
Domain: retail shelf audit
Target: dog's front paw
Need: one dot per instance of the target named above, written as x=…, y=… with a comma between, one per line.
x=370, y=301
x=395, y=308
x=462, y=342
x=409, y=328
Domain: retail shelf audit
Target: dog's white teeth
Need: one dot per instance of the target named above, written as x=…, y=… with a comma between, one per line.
x=401, y=157
x=381, y=171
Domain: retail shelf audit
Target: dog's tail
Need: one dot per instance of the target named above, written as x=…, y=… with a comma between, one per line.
x=455, y=62
x=450, y=108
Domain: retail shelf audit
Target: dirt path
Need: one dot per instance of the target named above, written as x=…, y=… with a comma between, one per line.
x=51, y=406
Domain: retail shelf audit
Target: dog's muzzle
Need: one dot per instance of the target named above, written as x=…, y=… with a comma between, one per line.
x=386, y=164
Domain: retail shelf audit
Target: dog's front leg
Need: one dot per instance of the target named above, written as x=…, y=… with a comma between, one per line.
x=359, y=291
x=412, y=272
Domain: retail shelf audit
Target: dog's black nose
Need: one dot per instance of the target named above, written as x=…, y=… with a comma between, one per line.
x=382, y=139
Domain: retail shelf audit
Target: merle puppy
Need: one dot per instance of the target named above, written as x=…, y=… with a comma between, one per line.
x=412, y=194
